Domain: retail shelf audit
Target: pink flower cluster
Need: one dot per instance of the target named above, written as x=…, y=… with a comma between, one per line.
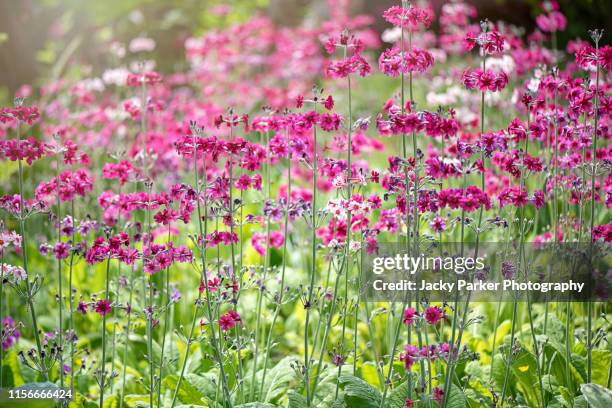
x=484, y=80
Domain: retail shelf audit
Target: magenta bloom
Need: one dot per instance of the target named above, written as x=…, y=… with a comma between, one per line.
x=61, y=250
x=554, y=21
x=409, y=314
x=433, y=314
x=229, y=320
x=438, y=394
x=438, y=224
x=484, y=80
x=409, y=356
x=82, y=308
x=148, y=78
x=411, y=17
x=10, y=332
x=102, y=307
x=416, y=60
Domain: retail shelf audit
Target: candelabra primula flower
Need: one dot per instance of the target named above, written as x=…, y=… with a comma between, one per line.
x=408, y=17
x=415, y=60
x=484, y=80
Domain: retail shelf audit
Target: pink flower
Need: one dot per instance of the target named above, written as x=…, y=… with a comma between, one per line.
x=229, y=320
x=27, y=114
x=28, y=150
x=10, y=333
x=61, y=250
x=329, y=103
x=411, y=17
x=416, y=60
x=438, y=224
x=433, y=314
x=409, y=314
x=148, y=78
x=409, y=356
x=102, y=307
x=587, y=57
x=82, y=307
x=258, y=241
x=329, y=122
x=484, y=80
x=438, y=394
x=551, y=22
x=346, y=67
x=490, y=42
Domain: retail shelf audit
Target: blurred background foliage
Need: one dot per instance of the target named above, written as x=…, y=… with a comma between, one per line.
x=41, y=40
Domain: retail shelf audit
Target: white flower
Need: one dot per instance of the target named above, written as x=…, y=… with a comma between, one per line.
x=141, y=44
x=116, y=76
x=92, y=84
x=391, y=35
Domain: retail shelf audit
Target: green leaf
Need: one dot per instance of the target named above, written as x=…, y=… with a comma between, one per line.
x=7, y=377
x=296, y=400
x=358, y=393
x=278, y=380
x=187, y=393
x=136, y=400
x=580, y=402
x=456, y=398
x=255, y=405
x=111, y=401
x=397, y=397
x=524, y=368
x=596, y=395
x=205, y=384
x=601, y=366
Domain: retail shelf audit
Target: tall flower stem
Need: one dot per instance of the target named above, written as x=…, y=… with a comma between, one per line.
x=415, y=208
x=281, y=292
x=127, y=338
x=70, y=297
x=313, y=271
x=522, y=264
x=328, y=326
x=149, y=298
x=24, y=255
x=166, y=319
x=117, y=290
x=406, y=182
x=455, y=345
x=203, y=229
x=451, y=363
x=266, y=266
x=59, y=280
x=235, y=296
x=596, y=37
x=398, y=329
x=1, y=306
x=103, y=361
x=348, y=221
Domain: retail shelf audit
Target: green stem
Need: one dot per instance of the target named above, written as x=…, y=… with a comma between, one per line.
x=59, y=282
x=70, y=296
x=166, y=319
x=314, y=263
x=593, y=177
x=22, y=227
x=266, y=262
x=103, y=361
x=393, y=350
x=283, y=267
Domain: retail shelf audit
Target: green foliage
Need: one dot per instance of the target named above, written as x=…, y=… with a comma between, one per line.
x=358, y=393
x=597, y=396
